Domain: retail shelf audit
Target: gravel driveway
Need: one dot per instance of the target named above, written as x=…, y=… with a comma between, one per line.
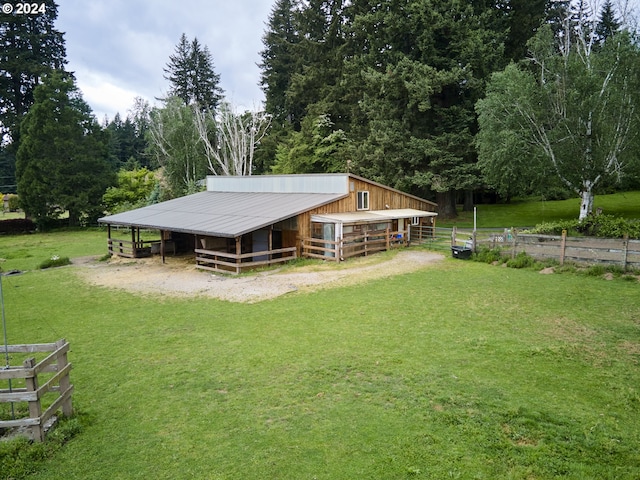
x=179, y=277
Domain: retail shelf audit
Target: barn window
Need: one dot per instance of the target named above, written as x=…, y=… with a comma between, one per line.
x=415, y=220
x=363, y=200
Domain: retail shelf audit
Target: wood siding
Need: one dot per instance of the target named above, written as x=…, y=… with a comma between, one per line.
x=379, y=197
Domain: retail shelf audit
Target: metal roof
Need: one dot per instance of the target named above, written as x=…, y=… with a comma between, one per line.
x=371, y=215
x=221, y=214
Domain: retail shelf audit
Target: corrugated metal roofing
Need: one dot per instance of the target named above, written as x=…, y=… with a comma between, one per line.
x=221, y=214
x=371, y=215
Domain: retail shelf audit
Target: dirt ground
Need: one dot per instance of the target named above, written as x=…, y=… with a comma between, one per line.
x=179, y=277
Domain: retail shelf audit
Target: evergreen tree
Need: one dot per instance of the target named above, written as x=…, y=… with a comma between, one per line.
x=607, y=25
x=192, y=76
x=278, y=60
x=30, y=46
x=62, y=160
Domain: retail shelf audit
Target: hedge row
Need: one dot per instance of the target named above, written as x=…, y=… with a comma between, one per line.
x=606, y=226
x=17, y=225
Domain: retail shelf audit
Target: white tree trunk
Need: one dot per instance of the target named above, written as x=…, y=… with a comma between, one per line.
x=586, y=200
x=231, y=146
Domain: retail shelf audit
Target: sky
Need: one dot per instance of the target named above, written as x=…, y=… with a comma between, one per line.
x=119, y=48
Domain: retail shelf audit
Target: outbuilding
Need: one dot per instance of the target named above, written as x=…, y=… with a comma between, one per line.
x=242, y=222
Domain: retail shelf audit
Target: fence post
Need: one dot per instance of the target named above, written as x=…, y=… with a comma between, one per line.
x=514, y=243
x=625, y=251
x=65, y=383
x=35, y=409
x=563, y=246
x=454, y=232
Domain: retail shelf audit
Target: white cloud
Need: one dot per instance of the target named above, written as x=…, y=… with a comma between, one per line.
x=118, y=49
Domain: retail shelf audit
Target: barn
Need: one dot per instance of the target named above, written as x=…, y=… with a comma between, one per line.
x=240, y=223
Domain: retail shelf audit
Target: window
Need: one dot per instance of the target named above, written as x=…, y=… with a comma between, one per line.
x=415, y=220
x=363, y=200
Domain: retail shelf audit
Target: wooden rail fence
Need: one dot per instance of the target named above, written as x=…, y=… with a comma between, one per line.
x=32, y=393
x=590, y=250
x=353, y=246
x=623, y=252
x=234, y=263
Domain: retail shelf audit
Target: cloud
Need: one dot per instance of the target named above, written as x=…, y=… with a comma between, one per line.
x=119, y=48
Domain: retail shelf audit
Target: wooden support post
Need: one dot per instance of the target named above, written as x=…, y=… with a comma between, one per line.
x=388, y=244
x=238, y=253
x=563, y=246
x=454, y=233
x=162, y=245
x=65, y=382
x=625, y=251
x=35, y=409
x=133, y=243
x=109, y=246
x=270, y=243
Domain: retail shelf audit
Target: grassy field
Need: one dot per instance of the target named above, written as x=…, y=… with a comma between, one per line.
x=527, y=213
x=462, y=370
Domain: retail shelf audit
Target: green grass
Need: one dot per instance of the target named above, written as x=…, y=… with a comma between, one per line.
x=463, y=370
x=527, y=213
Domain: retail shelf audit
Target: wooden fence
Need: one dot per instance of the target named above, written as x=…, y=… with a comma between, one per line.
x=590, y=250
x=30, y=374
x=587, y=250
x=131, y=249
x=353, y=246
x=234, y=263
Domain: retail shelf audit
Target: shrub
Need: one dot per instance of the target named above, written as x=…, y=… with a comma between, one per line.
x=17, y=225
x=610, y=227
x=486, y=255
x=54, y=261
x=521, y=260
x=14, y=202
x=555, y=228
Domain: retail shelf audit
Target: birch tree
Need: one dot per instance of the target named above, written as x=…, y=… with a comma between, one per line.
x=571, y=111
x=230, y=139
x=175, y=146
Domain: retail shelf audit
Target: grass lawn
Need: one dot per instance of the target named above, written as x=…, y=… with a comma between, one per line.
x=527, y=213
x=462, y=370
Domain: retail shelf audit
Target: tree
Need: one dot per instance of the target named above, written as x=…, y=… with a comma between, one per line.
x=278, y=59
x=574, y=106
x=30, y=47
x=316, y=148
x=174, y=145
x=133, y=190
x=607, y=25
x=230, y=139
x=62, y=160
x=192, y=76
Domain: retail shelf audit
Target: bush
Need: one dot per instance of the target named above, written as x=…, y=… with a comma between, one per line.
x=17, y=225
x=54, y=261
x=555, y=228
x=609, y=226
x=606, y=226
x=521, y=260
x=486, y=255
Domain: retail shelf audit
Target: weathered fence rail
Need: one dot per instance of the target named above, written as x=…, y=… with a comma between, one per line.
x=623, y=252
x=31, y=375
x=591, y=250
x=353, y=246
x=233, y=263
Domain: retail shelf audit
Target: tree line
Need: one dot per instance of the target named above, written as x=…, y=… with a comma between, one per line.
x=391, y=90
x=454, y=101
